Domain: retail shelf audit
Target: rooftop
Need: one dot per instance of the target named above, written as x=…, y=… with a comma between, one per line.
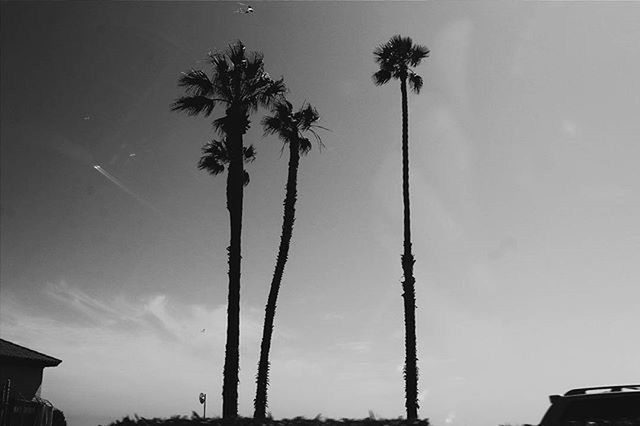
x=16, y=352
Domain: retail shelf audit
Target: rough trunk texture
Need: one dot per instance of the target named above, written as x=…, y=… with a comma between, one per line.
x=235, y=190
x=408, y=285
x=262, y=379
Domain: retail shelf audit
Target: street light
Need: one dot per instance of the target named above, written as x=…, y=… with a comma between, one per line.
x=203, y=401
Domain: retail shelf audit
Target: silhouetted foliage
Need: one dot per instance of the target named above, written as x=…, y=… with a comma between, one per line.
x=291, y=128
x=245, y=421
x=395, y=59
x=215, y=157
x=58, y=418
x=239, y=83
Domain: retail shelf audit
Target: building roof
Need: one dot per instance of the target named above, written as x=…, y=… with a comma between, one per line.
x=12, y=351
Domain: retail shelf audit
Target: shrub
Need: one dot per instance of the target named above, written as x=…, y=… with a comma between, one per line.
x=245, y=421
x=58, y=418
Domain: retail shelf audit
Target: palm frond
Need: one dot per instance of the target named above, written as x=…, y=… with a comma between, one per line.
x=249, y=154
x=317, y=137
x=308, y=115
x=214, y=157
x=215, y=59
x=236, y=53
x=415, y=82
x=304, y=145
x=379, y=54
x=283, y=110
x=417, y=54
x=381, y=77
x=223, y=86
x=271, y=91
x=219, y=63
x=385, y=52
x=221, y=79
x=280, y=120
x=196, y=82
x=254, y=67
x=402, y=45
x=194, y=105
x=271, y=125
x=222, y=124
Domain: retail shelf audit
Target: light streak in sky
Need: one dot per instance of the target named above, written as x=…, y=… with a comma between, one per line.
x=138, y=198
x=120, y=185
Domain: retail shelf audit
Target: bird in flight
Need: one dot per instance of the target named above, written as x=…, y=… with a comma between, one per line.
x=244, y=8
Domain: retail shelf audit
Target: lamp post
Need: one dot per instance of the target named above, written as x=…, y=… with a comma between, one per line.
x=203, y=401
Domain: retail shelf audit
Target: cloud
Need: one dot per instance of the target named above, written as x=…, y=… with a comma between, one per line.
x=120, y=357
x=93, y=309
x=156, y=314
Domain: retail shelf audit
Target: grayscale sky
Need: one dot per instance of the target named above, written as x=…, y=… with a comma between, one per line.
x=525, y=193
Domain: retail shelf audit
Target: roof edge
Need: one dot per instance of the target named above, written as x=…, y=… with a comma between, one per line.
x=46, y=360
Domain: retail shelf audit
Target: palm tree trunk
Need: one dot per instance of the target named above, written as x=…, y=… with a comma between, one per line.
x=408, y=285
x=262, y=380
x=235, y=190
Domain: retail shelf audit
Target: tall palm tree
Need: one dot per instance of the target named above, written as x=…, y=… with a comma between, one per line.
x=238, y=81
x=396, y=58
x=290, y=127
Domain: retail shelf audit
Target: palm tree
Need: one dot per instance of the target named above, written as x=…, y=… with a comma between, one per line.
x=290, y=126
x=238, y=81
x=396, y=59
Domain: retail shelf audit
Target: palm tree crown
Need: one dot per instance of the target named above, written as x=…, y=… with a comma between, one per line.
x=396, y=58
x=238, y=81
x=290, y=126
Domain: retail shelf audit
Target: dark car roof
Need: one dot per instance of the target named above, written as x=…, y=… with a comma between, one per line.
x=594, y=402
x=11, y=351
x=608, y=389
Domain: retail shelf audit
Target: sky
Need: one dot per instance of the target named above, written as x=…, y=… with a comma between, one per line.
x=525, y=203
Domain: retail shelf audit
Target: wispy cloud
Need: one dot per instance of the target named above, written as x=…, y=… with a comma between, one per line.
x=126, y=351
x=153, y=314
x=97, y=311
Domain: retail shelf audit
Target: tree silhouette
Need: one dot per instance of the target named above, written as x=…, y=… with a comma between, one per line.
x=290, y=127
x=396, y=58
x=238, y=81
